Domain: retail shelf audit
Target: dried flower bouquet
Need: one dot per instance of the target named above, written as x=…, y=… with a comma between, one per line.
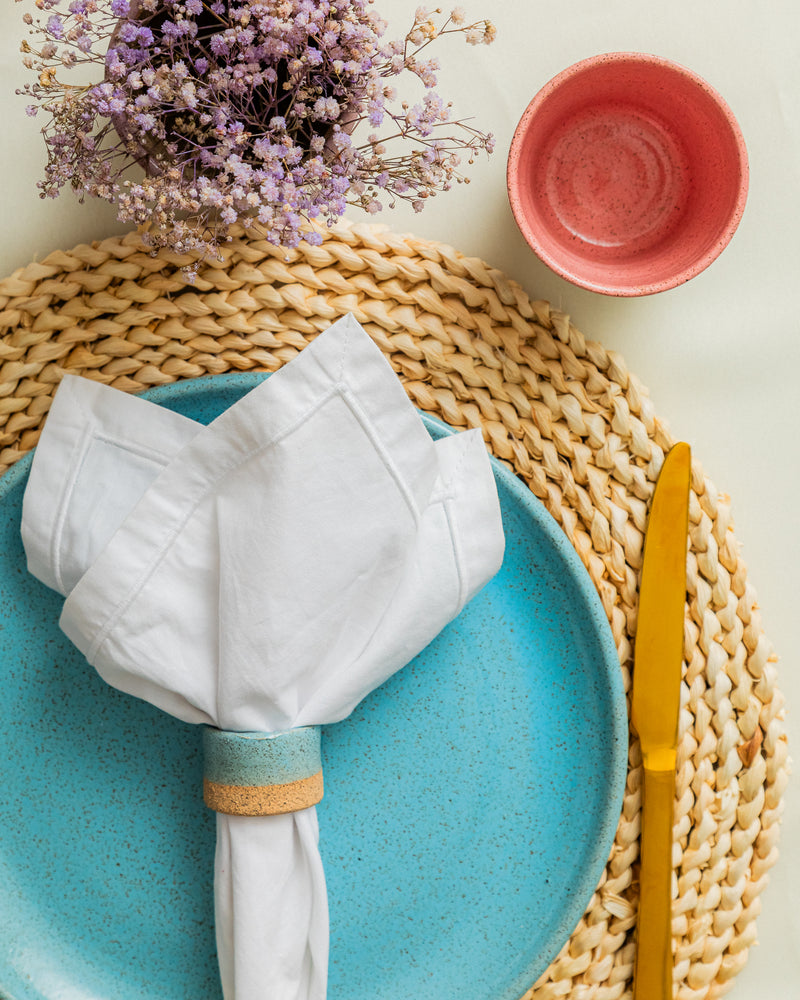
x=242, y=111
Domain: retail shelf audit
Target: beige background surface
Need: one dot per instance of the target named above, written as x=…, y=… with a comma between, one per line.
x=720, y=355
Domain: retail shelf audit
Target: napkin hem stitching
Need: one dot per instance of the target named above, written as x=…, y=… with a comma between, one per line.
x=351, y=400
x=119, y=609
x=458, y=556
x=88, y=436
x=81, y=448
x=159, y=457
x=343, y=390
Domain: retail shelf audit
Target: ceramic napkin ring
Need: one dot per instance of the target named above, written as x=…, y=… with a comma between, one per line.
x=262, y=774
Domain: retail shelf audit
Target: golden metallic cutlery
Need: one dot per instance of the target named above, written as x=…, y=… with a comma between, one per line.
x=658, y=660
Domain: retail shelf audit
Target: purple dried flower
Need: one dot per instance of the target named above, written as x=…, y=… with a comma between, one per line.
x=55, y=26
x=219, y=44
x=128, y=32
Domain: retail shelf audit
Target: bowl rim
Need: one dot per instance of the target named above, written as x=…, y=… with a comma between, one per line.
x=622, y=289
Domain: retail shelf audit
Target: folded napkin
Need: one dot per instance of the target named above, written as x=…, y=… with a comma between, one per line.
x=258, y=575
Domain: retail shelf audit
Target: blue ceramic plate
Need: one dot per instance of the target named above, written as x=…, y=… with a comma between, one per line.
x=470, y=805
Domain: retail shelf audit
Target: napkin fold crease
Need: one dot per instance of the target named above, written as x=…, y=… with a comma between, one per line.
x=265, y=572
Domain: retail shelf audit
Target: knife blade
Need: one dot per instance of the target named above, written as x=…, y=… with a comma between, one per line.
x=655, y=705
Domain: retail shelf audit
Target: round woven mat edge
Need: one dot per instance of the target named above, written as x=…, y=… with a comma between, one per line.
x=472, y=348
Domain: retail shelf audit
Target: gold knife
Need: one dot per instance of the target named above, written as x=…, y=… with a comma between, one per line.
x=658, y=658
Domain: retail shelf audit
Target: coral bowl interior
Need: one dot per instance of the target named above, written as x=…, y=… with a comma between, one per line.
x=627, y=174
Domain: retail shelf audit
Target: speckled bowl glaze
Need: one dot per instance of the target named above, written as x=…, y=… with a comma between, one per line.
x=627, y=174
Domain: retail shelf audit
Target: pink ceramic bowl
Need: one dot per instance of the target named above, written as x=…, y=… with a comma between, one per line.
x=627, y=174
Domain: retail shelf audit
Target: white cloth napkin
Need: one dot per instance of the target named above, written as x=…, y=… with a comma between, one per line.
x=260, y=574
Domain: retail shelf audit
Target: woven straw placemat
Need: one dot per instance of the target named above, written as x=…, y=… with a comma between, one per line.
x=579, y=429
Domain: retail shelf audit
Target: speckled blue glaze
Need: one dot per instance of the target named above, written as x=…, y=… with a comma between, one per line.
x=261, y=758
x=470, y=806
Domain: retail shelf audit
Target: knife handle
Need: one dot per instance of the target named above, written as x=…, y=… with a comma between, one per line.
x=652, y=974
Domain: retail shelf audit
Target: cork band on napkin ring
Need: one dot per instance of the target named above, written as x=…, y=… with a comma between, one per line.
x=261, y=774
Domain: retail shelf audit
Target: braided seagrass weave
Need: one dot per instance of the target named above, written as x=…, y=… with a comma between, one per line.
x=574, y=424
